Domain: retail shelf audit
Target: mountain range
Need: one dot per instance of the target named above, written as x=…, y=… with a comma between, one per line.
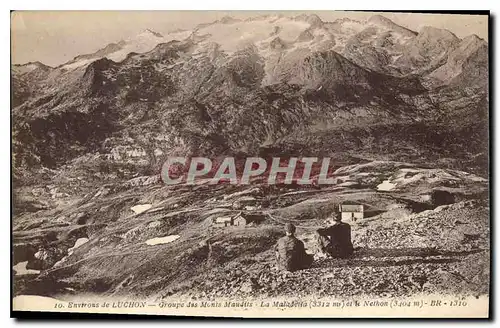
x=264, y=85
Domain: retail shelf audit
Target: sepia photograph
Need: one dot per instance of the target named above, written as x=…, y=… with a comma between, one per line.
x=252, y=164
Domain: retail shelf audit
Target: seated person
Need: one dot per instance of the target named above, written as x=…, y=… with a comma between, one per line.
x=290, y=252
x=336, y=239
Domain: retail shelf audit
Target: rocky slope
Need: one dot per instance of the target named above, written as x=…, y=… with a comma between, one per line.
x=427, y=232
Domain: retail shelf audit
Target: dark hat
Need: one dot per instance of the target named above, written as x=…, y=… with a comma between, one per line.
x=290, y=228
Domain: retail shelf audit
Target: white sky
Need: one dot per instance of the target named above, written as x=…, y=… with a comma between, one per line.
x=54, y=37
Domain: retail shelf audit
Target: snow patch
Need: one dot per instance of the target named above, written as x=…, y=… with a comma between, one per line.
x=162, y=240
x=20, y=269
x=78, y=63
x=145, y=42
x=141, y=208
x=79, y=242
x=386, y=185
x=234, y=36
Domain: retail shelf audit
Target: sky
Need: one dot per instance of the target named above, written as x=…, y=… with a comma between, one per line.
x=55, y=37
